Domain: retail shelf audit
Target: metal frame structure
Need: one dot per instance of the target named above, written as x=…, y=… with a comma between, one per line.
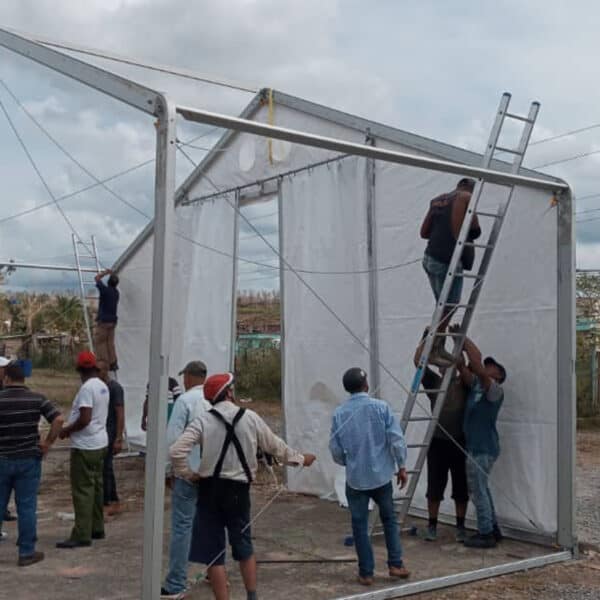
x=158, y=105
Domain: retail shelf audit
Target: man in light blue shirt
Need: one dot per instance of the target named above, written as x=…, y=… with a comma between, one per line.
x=184, y=494
x=367, y=439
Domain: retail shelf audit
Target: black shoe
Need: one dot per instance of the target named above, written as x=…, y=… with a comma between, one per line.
x=98, y=536
x=480, y=540
x=8, y=516
x=70, y=544
x=497, y=534
x=25, y=561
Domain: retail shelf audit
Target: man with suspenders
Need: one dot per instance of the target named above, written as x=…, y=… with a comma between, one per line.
x=229, y=438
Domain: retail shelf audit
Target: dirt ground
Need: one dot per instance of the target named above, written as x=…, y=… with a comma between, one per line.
x=299, y=542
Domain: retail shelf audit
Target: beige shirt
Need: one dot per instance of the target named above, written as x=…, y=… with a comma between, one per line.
x=209, y=432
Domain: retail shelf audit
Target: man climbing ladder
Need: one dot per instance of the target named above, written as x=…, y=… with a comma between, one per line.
x=108, y=302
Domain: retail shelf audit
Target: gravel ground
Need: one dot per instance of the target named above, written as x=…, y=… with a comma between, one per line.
x=588, y=487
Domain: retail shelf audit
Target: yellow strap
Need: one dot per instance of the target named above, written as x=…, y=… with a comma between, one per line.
x=271, y=119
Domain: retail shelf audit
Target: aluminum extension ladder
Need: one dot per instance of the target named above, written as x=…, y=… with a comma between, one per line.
x=421, y=445
x=86, y=256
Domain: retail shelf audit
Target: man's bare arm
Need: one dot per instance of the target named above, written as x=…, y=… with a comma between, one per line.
x=102, y=274
x=53, y=433
x=476, y=363
x=426, y=226
x=85, y=416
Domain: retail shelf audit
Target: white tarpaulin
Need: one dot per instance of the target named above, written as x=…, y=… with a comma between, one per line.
x=201, y=294
x=324, y=228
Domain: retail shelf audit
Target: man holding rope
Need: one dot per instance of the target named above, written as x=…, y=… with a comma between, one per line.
x=229, y=438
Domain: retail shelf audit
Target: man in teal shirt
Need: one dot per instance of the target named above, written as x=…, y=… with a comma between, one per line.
x=484, y=378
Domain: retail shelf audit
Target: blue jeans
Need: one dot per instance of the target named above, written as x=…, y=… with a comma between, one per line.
x=358, y=502
x=23, y=476
x=479, y=467
x=184, y=496
x=437, y=272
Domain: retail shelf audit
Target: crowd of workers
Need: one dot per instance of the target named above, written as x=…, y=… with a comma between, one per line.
x=213, y=443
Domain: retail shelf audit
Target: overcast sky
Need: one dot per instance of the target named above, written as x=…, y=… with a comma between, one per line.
x=431, y=67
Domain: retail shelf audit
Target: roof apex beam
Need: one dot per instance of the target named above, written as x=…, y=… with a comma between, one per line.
x=318, y=141
x=120, y=88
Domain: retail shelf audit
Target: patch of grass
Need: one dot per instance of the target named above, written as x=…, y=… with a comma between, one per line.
x=258, y=374
x=588, y=423
x=58, y=386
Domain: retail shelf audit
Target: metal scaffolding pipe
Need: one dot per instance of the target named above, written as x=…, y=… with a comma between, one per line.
x=22, y=265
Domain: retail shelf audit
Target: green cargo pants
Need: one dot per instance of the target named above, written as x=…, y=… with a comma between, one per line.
x=88, y=494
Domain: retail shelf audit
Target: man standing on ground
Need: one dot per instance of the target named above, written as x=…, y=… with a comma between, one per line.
x=89, y=440
x=21, y=453
x=174, y=391
x=441, y=228
x=367, y=439
x=106, y=324
x=484, y=379
x=8, y=516
x=446, y=452
x=184, y=495
x=229, y=438
x=115, y=425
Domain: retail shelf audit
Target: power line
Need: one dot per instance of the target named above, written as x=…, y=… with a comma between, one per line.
x=565, y=134
x=564, y=160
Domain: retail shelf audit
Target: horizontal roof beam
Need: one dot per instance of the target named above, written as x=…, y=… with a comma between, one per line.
x=11, y=264
x=120, y=88
x=318, y=141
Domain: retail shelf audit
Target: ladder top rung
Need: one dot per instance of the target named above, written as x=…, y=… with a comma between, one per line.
x=519, y=118
x=508, y=150
x=488, y=214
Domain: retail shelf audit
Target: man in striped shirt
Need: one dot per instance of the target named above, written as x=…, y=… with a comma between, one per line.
x=21, y=453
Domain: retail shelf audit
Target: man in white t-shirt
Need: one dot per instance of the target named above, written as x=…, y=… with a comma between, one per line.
x=89, y=440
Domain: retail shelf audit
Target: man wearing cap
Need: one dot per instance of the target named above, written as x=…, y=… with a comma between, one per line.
x=184, y=495
x=108, y=301
x=21, y=453
x=484, y=378
x=89, y=440
x=441, y=228
x=366, y=438
x=229, y=438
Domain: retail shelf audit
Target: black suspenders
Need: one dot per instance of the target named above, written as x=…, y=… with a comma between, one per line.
x=231, y=438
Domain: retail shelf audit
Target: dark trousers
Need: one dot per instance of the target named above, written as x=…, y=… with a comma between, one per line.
x=108, y=476
x=87, y=492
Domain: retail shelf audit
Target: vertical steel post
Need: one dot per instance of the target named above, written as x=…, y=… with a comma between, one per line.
x=567, y=411
x=282, y=309
x=374, y=371
x=164, y=215
x=234, y=282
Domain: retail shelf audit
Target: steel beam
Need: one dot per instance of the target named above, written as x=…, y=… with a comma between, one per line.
x=319, y=141
x=164, y=222
x=234, y=282
x=427, y=585
x=120, y=88
x=565, y=368
x=24, y=265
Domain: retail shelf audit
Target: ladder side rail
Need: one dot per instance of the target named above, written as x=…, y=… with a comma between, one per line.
x=86, y=316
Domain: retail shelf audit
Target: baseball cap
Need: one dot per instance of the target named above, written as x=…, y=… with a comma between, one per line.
x=489, y=360
x=86, y=360
x=216, y=385
x=4, y=361
x=194, y=367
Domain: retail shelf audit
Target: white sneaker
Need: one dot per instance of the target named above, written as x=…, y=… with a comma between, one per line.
x=3, y=535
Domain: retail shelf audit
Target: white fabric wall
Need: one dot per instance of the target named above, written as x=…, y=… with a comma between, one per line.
x=324, y=228
x=201, y=296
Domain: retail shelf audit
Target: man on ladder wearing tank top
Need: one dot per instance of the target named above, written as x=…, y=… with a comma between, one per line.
x=441, y=227
x=229, y=438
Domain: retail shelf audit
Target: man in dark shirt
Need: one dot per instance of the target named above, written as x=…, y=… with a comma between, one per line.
x=173, y=393
x=441, y=228
x=8, y=516
x=108, y=301
x=485, y=379
x=21, y=453
x=115, y=425
x=444, y=455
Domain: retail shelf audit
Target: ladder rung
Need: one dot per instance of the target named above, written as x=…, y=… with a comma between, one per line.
x=412, y=419
x=469, y=276
x=460, y=305
x=449, y=334
x=519, y=118
x=431, y=391
x=509, y=150
x=416, y=445
x=488, y=214
x=413, y=471
x=474, y=245
x=402, y=499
